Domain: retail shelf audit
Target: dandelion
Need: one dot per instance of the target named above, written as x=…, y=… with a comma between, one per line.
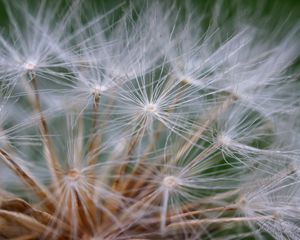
x=148, y=121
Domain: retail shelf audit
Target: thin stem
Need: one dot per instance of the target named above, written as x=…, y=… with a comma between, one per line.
x=52, y=160
x=208, y=200
x=94, y=139
x=204, y=154
x=214, y=114
x=78, y=150
x=122, y=168
x=21, y=206
x=202, y=211
x=164, y=210
x=132, y=184
x=197, y=223
x=86, y=211
x=40, y=191
x=127, y=215
x=104, y=123
x=24, y=221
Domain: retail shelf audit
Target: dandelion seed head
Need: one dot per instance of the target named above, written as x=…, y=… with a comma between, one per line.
x=29, y=66
x=98, y=89
x=3, y=138
x=73, y=175
x=151, y=108
x=224, y=140
x=170, y=182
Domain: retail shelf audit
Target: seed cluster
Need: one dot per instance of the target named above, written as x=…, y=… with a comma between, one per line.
x=147, y=122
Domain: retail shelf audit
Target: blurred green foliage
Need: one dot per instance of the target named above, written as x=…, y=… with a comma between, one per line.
x=289, y=9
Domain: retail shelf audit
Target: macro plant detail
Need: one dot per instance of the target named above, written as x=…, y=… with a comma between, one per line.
x=148, y=121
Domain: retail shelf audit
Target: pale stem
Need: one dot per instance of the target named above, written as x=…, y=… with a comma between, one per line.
x=78, y=150
x=164, y=210
x=94, y=141
x=107, y=169
x=210, y=199
x=213, y=115
x=52, y=160
x=137, y=170
x=122, y=168
x=204, y=154
x=202, y=211
x=197, y=223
